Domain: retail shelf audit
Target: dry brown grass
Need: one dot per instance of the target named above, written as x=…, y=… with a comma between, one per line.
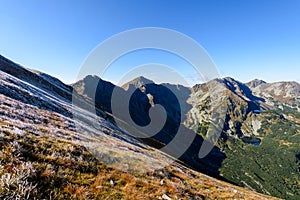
x=64, y=170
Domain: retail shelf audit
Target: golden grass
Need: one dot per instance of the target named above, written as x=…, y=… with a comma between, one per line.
x=65, y=170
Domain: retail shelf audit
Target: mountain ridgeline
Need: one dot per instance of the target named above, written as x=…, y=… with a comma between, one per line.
x=68, y=141
x=259, y=130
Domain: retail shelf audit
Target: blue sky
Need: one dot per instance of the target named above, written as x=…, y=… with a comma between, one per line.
x=246, y=39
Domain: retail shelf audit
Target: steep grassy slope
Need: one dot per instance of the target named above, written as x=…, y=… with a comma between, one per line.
x=43, y=167
x=45, y=153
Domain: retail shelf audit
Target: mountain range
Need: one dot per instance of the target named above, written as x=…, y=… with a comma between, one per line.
x=63, y=141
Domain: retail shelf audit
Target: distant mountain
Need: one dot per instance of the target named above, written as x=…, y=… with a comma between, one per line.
x=52, y=145
x=280, y=94
x=92, y=86
x=139, y=91
x=254, y=83
x=261, y=131
x=246, y=115
x=138, y=82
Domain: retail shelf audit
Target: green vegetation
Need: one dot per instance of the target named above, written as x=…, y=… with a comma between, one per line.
x=272, y=167
x=203, y=128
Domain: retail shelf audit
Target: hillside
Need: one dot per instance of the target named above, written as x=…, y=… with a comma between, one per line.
x=258, y=123
x=45, y=153
x=260, y=138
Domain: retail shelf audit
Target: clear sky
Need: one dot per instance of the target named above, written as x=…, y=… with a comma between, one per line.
x=247, y=39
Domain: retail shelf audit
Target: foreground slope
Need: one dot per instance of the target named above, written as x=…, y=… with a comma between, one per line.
x=45, y=153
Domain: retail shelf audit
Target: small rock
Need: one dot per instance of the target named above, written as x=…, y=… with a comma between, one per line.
x=150, y=98
x=162, y=182
x=111, y=182
x=166, y=197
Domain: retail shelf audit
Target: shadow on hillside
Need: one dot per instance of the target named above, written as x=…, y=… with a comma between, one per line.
x=253, y=102
x=173, y=138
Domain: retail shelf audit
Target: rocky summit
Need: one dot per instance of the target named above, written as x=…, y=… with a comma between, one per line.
x=63, y=141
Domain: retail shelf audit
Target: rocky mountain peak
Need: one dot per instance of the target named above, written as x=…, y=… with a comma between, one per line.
x=254, y=83
x=138, y=82
x=92, y=78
